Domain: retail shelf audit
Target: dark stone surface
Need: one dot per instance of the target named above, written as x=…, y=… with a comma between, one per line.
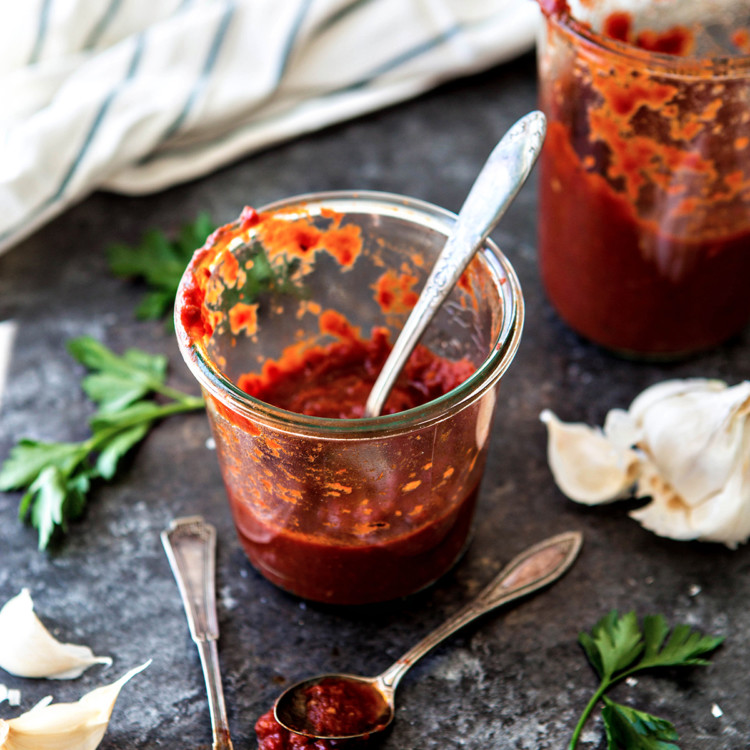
x=518, y=679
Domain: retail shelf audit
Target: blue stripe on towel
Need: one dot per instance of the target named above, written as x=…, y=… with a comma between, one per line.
x=404, y=57
x=41, y=31
x=289, y=45
x=100, y=116
x=339, y=15
x=208, y=66
x=96, y=33
x=420, y=49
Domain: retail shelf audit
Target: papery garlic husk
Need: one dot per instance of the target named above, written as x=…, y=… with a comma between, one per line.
x=28, y=649
x=690, y=445
x=64, y=726
x=586, y=466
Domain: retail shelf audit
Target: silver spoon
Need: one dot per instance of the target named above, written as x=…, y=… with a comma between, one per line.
x=538, y=566
x=497, y=185
x=190, y=544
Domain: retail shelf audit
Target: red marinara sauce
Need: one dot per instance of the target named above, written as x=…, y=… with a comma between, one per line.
x=333, y=707
x=334, y=381
x=425, y=534
x=644, y=233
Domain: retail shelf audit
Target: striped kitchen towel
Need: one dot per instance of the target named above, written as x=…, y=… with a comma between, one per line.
x=137, y=95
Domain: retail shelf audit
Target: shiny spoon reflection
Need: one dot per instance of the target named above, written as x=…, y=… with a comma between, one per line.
x=373, y=698
x=494, y=189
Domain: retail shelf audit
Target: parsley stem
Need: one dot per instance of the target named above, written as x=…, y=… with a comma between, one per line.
x=189, y=403
x=603, y=687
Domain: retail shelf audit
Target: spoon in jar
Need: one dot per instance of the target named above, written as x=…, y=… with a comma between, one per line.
x=371, y=700
x=497, y=184
x=190, y=544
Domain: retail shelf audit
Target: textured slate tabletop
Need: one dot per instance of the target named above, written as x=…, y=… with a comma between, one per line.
x=517, y=679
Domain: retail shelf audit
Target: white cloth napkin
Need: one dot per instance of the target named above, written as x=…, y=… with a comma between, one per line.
x=137, y=95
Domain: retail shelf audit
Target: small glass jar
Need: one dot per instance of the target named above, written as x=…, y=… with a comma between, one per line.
x=346, y=511
x=644, y=213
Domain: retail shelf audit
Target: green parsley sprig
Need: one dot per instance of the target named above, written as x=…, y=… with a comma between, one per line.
x=160, y=262
x=57, y=477
x=617, y=648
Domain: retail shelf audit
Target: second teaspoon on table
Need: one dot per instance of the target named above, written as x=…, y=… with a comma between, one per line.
x=374, y=697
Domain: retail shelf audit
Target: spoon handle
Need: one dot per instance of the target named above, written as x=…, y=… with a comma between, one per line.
x=190, y=544
x=538, y=566
x=502, y=176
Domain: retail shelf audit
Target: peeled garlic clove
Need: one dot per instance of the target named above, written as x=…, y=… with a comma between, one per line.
x=586, y=466
x=64, y=726
x=28, y=649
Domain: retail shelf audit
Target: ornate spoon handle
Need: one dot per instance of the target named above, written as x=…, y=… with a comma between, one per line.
x=538, y=566
x=190, y=544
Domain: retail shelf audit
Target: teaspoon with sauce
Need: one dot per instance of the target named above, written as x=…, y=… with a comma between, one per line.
x=533, y=569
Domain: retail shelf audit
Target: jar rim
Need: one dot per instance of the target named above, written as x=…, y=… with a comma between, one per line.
x=503, y=348
x=719, y=65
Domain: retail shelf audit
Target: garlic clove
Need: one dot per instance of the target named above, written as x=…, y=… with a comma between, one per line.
x=666, y=514
x=668, y=389
x=696, y=438
x=586, y=466
x=688, y=443
x=65, y=726
x=28, y=649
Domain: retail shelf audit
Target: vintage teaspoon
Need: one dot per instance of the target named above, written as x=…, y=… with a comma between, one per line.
x=498, y=183
x=190, y=544
x=538, y=566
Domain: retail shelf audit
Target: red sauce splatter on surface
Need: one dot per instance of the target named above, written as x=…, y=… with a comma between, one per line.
x=395, y=292
x=618, y=26
x=248, y=218
x=741, y=40
x=243, y=317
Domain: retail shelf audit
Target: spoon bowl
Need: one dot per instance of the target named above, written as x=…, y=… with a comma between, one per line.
x=339, y=706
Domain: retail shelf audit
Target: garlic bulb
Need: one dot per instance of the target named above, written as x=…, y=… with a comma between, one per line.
x=28, y=649
x=685, y=444
x=64, y=726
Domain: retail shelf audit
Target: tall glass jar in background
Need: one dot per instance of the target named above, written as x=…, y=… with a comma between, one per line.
x=644, y=235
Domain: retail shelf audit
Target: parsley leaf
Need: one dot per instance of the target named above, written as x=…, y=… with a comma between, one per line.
x=618, y=647
x=57, y=477
x=159, y=262
x=636, y=730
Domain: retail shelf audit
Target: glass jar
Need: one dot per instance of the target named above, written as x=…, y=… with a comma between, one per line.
x=644, y=213
x=345, y=511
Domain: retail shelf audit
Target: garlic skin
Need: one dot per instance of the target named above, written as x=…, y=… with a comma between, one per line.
x=585, y=464
x=28, y=649
x=685, y=444
x=64, y=726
